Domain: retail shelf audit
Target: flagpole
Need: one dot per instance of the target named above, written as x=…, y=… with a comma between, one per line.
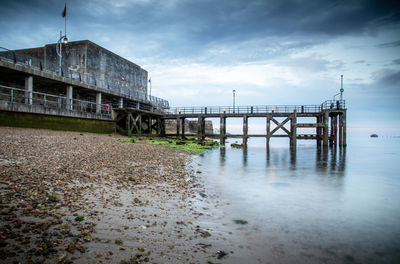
x=65, y=20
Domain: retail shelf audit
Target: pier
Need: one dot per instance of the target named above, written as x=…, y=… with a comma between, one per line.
x=329, y=122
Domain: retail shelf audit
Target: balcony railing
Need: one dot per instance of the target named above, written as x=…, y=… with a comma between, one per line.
x=14, y=96
x=90, y=79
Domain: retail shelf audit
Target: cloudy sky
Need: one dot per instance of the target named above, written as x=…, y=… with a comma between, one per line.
x=269, y=51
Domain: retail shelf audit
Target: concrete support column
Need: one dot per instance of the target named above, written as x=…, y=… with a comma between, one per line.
x=344, y=129
x=268, y=128
x=293, y=130
x=29, y=90
x=326, y=128
x=178, y=124
x=335, y=130
x=121, y=103
x=340, y=130
x=70, y=100
x=332, y=130
x=245, y=130
x=98, y=103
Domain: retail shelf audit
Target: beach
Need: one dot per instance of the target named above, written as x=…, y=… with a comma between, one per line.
x=70, y=197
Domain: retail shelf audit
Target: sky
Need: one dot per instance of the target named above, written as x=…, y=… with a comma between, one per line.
x=270, y=51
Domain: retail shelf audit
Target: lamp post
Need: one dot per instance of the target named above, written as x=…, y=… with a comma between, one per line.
x=341, y=88
x=150, y=86
x=63, y=39
x=234, y=92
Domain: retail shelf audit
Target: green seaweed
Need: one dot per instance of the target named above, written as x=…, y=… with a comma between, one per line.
x=28, y=120
x=190, y=145
x=53, y=197
x=240, y=222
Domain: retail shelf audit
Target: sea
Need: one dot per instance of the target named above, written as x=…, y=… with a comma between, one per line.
x=313, y=205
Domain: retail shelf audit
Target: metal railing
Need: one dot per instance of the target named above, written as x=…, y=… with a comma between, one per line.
x=334, y=104
x=35, y=63
x=20, y=96
x=260, y=109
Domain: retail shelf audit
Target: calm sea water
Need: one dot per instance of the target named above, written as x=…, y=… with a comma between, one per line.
x=314, y=206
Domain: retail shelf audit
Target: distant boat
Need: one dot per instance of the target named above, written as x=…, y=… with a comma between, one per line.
x=374, y=135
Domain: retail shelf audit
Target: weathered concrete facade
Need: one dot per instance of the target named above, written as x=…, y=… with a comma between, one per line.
x=92, y=64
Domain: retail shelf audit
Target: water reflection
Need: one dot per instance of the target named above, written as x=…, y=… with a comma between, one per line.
x=245, y=152
x=330, y=160
x=222, y=156
x=312, y=201
x=327, y=160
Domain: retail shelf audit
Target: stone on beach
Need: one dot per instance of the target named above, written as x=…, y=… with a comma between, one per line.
x=66, y=196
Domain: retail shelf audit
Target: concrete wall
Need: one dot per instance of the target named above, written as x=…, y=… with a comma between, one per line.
x=92, y=63
x=16, y=119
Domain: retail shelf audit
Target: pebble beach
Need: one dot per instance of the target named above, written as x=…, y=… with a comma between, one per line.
x=70, y=197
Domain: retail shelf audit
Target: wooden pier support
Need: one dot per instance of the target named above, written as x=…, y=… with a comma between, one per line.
x=245, y=130
x=268, y=132
x=293, y=130
x=222, y=130
x=162, y=127
x=319, y=130
x=342, y=129
x=178, y=126
x=325, y=128
x=201, y=129
x=130, y=121
x=183, y=127
x=335, y=130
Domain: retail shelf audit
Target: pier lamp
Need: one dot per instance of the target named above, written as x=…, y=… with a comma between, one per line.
x=63, y=39
x=224, y=110
x=179, y=111
x=272, y=110
x=341, y=88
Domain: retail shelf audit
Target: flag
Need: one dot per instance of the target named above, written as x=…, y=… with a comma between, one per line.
x=64, y=13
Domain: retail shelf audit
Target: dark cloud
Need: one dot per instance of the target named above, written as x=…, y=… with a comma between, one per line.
x=392, y=79
x=205, y=21
x=251, y=30
x=359, y=61
x=389, y=44
x=387, y=77
x=396, y=61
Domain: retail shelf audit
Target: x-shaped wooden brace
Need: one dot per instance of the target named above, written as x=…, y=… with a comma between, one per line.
x=119, y=128
x=134, y=123
x=280, y=125
x=156, y=125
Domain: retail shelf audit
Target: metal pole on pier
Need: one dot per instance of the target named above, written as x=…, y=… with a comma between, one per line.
x=341, y=88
